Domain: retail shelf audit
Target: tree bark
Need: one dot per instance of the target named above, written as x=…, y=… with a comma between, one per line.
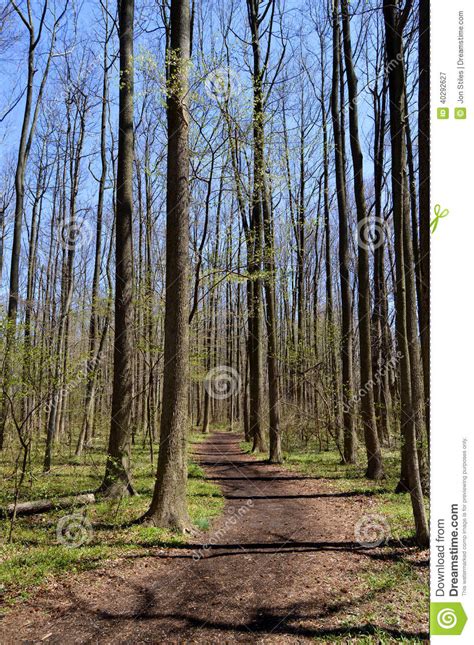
x=372, y=444
x=117, y=481
x=168, y=507
x=350, y=446
x=262, y=215
x=424, y=192
x=405, y=292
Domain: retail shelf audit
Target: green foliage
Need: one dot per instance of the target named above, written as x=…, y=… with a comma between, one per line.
x=34, y=554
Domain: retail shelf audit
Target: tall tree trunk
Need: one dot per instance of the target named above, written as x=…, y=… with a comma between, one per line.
x=424, y=192
x=350, y=448
x=300, y=235
x=117, y=480
x=372, y=444
x=330, y=326
x=381, y=340
x=168, y=507
x=22, y=159
x=411, y=410
x=262, y=215
x=210, y=326
x=89, y=404
x=255, y=324
x=255, y=330
x=28, y=366
x=275, y=455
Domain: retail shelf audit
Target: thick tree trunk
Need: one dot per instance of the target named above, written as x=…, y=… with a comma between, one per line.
x=168, y=507
x=372, y=444
x=405, y=293
x=117, y=480
x=350, y=449
x=255, y=339
x=262, y=216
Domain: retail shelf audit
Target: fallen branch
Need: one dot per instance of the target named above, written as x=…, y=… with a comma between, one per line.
x=44, y=505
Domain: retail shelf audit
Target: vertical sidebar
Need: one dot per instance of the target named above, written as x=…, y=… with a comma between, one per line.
x=452, y=296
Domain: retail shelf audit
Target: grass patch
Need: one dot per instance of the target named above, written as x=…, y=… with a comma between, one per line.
x=33, y=554
x=396, y=590
x=375, y=635
x=351, y=478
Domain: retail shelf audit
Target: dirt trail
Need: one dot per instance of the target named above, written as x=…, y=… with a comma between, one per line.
x=280, y=566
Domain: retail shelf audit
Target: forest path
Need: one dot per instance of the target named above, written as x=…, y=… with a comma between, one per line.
x=280, y=566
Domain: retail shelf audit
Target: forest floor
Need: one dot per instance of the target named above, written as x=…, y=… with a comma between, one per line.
x=280, y=565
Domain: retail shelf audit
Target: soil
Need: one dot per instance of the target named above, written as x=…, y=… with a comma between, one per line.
x=281, y=565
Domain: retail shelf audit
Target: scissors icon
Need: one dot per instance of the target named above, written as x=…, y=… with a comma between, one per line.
x=438, y=215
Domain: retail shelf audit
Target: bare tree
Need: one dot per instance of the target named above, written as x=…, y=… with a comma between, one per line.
x=372, y=444
x=28, y=127
x=261, y=217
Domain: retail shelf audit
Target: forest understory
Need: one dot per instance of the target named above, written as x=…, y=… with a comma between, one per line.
x=277, y=563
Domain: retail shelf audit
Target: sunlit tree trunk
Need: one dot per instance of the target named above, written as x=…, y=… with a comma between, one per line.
x=411, y=404
x=168, y=507
x=117, y=481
